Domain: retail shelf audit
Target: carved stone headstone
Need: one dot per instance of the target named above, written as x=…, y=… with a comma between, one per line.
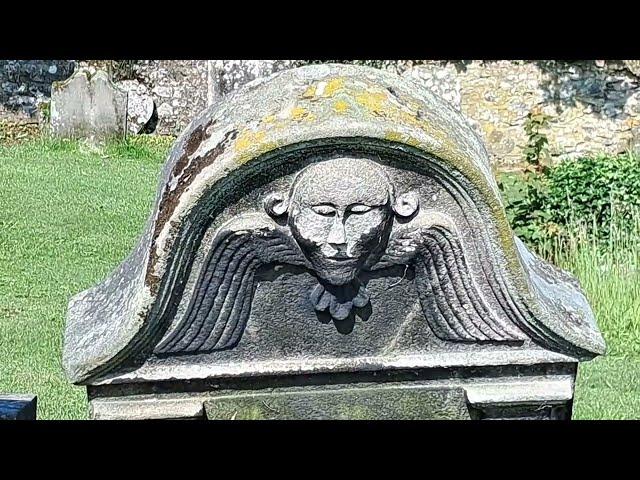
x=330, y=243
x=88, y=106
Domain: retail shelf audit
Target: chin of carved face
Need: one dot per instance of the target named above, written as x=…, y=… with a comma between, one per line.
x=339, y=240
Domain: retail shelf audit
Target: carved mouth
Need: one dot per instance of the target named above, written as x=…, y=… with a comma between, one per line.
x=339, y=259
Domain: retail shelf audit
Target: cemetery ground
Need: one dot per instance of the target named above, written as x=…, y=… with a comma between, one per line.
x=70, y=213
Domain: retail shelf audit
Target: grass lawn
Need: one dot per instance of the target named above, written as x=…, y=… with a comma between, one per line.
x=69, y=214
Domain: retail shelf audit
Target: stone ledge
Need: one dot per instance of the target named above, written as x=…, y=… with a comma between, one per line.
x=500, y=392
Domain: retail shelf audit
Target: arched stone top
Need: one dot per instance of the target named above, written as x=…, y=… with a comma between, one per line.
x=343, y=107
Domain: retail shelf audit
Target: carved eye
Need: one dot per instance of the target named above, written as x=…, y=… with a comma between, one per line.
x=360, y=208
x=326, y=210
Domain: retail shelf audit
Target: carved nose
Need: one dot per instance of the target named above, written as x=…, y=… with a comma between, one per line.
x=337, y=237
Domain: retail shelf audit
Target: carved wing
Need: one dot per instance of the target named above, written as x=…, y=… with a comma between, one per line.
x=221, y=301
x=453, y=305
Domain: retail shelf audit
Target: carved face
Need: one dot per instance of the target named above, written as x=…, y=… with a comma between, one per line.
x=340, y=215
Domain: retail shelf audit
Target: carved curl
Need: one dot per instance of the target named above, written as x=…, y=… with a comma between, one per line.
x=406, y=205
x=276, y=205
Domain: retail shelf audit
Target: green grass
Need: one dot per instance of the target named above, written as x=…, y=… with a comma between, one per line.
x=70, y=213
x=608, y=388
x=609, y=273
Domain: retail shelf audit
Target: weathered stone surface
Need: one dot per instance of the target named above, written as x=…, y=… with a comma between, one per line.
x=88, y=106
x=329, y=220
x=491, y=391
x=18, y=407
x=373, y=403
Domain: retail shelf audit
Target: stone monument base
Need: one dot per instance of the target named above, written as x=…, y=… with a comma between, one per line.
x=543, y=391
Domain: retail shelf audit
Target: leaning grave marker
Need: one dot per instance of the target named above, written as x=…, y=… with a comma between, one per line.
x=330, y=243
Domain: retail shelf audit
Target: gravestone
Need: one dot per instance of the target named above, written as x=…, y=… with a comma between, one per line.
x=88, y=106
x=330, y=243
x=18, y=407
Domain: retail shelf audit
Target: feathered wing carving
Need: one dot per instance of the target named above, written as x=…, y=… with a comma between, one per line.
x=453, y=305
x=447, y=291
x=223, y=293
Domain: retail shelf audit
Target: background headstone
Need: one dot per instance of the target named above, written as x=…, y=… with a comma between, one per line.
x=88, y=106
x=141, y=108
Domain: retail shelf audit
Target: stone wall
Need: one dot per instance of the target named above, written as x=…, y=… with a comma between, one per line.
x=25, y=83
x=593, y=106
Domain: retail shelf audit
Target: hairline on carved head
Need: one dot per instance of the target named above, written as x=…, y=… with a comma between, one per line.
x=405, y=205
x=356, y=164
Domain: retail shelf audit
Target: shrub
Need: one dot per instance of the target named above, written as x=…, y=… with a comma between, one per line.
x=594, y=190
x=526, y=196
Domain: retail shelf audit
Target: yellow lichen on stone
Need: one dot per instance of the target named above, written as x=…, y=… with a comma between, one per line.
x=255, y=150
x=340, y=106
x=333, y=86
x=269, y=119
x=284, y=118
x=374, y=102
x=379, y=103
x=298, y=113
x=632, y=122
x=395, y=136
x=247, y=139
x=310, y=92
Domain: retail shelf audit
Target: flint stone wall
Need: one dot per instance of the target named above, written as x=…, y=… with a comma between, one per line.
x=593, y=106
x=25, y=83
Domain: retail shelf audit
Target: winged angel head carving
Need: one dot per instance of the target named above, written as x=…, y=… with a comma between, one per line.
x=337, y=219
x=358, y=212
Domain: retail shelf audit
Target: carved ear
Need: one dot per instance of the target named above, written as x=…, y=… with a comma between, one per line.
x=276, y=204
x=406, y=204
